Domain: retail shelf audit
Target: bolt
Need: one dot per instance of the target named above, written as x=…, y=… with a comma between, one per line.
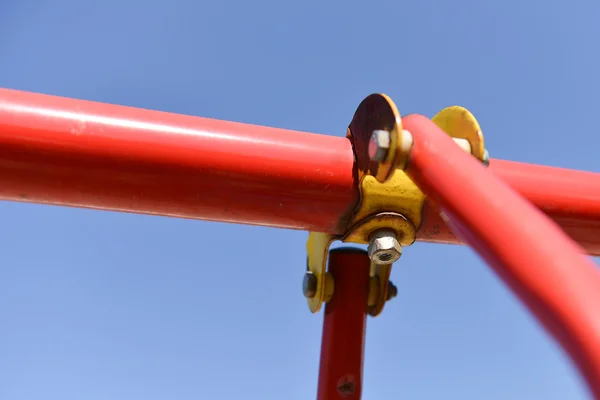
x=379, y=145
x=384, y=248
x=309, y=285
x=486, y=157
x=392, y=291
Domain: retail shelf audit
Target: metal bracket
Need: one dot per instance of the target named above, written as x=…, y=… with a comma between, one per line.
x=392, y=204
x=316, y=287
x=460, y=123
x=389, y=200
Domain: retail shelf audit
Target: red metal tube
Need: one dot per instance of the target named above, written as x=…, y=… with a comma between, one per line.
x=531, y=254
x=79, y=153
x=344, y=325
x=571, y=198
x=62, y=151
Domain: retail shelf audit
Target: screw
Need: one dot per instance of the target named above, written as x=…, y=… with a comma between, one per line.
x=486, y=157
x=379, y=145
x=309, y=285
x=384, y=248
x=392, y=291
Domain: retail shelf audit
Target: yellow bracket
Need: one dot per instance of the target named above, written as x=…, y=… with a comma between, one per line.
x=395, y=205
x=317, y=248
x=389, y=199
x=459, y=123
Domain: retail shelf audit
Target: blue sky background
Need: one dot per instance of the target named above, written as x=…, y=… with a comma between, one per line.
x=100, y=306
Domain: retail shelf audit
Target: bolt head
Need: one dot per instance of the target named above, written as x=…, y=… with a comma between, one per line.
x=379, y=145
x=384, y=248
x=309, y=285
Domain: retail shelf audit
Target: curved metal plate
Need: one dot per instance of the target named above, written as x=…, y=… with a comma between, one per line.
x=460, y=123
x=317, y=249
x=381, y=275
x=376, y=112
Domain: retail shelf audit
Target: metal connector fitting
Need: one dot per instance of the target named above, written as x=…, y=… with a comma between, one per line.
x=486, y=157
x=384, y=247
x=392, y=291
x=379, y=145
x=309, y=285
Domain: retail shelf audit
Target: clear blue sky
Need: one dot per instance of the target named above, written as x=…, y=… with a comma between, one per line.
x=108, y=306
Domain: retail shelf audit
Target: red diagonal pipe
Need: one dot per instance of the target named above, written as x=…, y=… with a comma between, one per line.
x=63, y=151
x=535, y=258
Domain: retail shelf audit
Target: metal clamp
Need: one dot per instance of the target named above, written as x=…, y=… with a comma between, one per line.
x=389, y=211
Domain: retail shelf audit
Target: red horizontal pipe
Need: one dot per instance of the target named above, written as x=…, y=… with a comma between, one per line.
x=534, y=257
x=344, y=326
x=62, y=151
x=571, y=198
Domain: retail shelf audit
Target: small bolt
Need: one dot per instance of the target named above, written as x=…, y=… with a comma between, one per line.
x=384, y=248
x=309, y=285
x=392, y=291
x=486, y=157
x=379, y=145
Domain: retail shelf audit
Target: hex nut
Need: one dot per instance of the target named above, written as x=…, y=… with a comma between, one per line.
x=309, y=285
x=379, y=145
x=384, y=248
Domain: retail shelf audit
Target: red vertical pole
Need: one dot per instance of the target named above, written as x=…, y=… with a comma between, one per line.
x=343, y=341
